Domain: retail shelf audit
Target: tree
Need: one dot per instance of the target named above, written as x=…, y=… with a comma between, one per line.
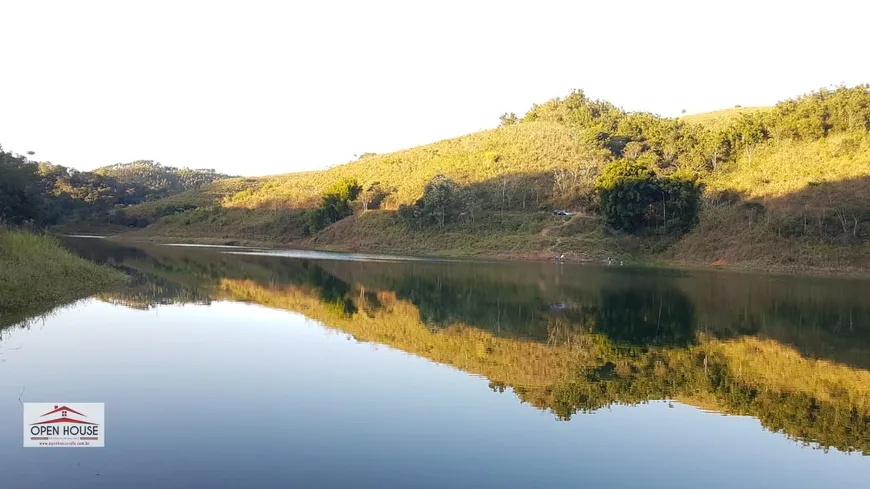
x=680, y=202
x=44, y=194
x=372, y=196
x=469, y=204
x=634, y=199
x=717, y=149
x=439, y=201
x=21, y=199
x=508, y=119
x=334, y=204
x=438, y=205
x=627, y=190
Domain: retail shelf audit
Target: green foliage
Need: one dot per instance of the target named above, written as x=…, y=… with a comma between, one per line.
x=334, y=204
x=21, y=197
x=635, y=199
x=45, y=194
x=508, y=119
x=820, y=113
x=438, y=205
x=550, y=159
x=627, y=190
x=158, y=181
x=373, y=195
x=673, y=144
x=577, y=110
x=36, y=274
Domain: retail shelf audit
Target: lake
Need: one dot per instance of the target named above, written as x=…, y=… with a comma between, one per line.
x=227, y=367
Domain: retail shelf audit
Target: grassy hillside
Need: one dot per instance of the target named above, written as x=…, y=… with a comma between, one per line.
x=785, y=187
x=160, y=179
x=515, y=165
x=526, y=155
x=793, y=204
x=36, y=275
x=721, y=119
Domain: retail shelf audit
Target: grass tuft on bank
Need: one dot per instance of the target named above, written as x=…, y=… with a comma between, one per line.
x=37, y=274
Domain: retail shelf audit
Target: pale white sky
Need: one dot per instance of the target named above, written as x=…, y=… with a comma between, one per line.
x=257, y=87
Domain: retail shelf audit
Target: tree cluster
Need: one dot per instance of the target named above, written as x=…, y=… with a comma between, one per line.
x=671, y=145
x=442, y=203
x=44, y=194
x=335, y=205
x=635, y=199
x=158, y=181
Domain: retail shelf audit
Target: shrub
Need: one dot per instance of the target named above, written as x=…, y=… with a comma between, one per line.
x=438, y=205
x=334, y=205
x=635, y=199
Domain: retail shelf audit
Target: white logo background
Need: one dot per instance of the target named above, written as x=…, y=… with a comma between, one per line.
x=89, y=433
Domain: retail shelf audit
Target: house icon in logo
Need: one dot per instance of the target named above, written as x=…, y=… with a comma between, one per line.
x=63, y=415
x=56, y=424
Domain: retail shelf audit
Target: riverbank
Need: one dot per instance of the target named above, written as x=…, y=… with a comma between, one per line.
x=586, y=250
x=785, y=203
x=37, y=274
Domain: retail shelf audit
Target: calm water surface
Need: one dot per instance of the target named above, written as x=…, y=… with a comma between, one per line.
x=220, y=368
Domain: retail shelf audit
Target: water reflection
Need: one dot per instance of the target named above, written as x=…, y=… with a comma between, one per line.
x=794, y=353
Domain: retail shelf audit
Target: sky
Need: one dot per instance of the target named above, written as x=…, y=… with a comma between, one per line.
x=258, y=87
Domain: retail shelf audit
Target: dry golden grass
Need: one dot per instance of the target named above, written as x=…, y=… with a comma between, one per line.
x=786, y=167
x=524, y=149
x=501, y=235
x=37, y=274
x=813, y=194
x=793, y=180
x=721, y=118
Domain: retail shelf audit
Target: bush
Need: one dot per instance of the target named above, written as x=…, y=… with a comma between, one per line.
x=438, y=205
x=627, y=190
x=334, y=205
x=636, y=200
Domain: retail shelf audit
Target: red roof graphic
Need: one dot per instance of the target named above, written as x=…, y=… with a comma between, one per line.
x=64, y=418
x=62, y=408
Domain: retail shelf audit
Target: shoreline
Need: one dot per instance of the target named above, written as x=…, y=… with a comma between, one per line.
x=37, y=274
x=526, y=256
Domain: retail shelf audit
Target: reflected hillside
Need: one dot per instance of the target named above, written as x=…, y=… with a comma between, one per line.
x=791, y=352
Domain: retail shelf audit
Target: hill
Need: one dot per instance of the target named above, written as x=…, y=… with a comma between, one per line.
x=721, y=119
x=161, y=181
x=779, y=187
x=42, y=194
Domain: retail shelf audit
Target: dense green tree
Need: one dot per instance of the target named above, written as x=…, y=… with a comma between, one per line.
x=679, y=204
x=635, y=199
x=21, y=198
x=438, y=205
x=627, y=190
x=335, y=204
